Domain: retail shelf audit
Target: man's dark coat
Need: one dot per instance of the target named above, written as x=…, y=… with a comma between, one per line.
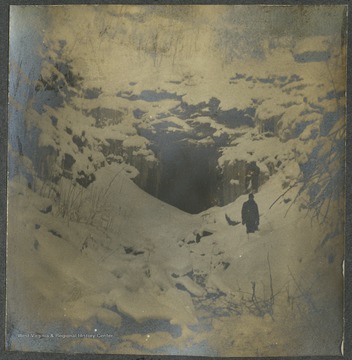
x=250, y=215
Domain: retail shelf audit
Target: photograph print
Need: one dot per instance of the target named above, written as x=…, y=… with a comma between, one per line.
x=176, y=180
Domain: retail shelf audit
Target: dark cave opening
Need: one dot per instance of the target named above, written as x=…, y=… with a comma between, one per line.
x=188, y=177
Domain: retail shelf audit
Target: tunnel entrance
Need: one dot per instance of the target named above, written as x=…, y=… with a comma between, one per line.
x=188, y=177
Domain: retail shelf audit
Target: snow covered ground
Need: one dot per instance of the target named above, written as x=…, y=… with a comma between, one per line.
x=163, y=281
x=96, y=264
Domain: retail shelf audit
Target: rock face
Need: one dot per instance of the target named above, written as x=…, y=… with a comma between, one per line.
x=269, y=125
x=142, y=159
x=233, y=181
x=178, y=169
x=148, y=178
x=186, y=175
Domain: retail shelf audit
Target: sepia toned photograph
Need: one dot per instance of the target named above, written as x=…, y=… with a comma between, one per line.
x=176, y=180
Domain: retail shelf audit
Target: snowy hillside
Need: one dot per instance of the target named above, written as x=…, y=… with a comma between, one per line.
x=131, y=132
x=161, y=281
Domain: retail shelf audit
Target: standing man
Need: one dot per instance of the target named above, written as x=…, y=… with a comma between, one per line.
x=250, y=214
